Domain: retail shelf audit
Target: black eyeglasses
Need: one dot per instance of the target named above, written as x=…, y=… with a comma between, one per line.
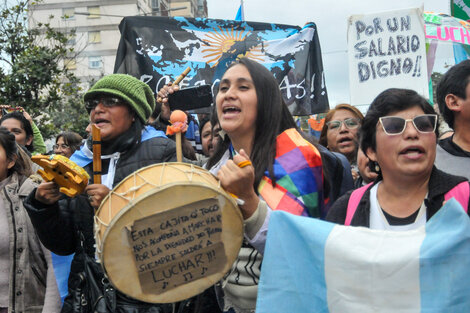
x=394, y=125
x=106, y=101
x=351, y=123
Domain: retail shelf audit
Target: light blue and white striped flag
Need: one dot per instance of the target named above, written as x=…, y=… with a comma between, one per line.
x=240, y=15
x=315, y=266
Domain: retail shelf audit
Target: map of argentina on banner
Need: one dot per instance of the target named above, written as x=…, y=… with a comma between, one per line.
x=311, y=265
x=158, y=49
x=386, y=50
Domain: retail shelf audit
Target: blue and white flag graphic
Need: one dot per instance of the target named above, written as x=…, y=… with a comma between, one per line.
x=315, y=266
x=158, y=49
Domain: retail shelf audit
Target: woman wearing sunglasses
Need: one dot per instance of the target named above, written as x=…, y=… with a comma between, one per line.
x=399, y=135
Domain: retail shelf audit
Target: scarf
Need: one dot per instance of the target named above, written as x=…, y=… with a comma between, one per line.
x=113, y=150
x=299, y=177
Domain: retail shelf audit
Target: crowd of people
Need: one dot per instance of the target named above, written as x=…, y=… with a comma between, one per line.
x=386, y=170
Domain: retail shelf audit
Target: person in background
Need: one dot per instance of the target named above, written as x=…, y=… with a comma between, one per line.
x=27, y=134
x=216, y=130
x=159, y=119
x=444, y=130
x=156, y=119
x=27, y=281
x=66, y=143
x=340, y=132
x=205, y=127
x=337, y=176
x=399, y=135
x=453, y=97
x=366, y=174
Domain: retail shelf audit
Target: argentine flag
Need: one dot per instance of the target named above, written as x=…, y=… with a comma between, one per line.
x=240, y=13
x=315, y=266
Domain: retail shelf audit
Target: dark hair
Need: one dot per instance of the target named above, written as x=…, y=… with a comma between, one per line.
x=273, y=117
x=8, y=142
x=454, y=82
x=389, y=101
x=72, y=139
x=203, y=122
x=25, y=125
x=329, y=116
x=157, y=110
x=213, y=114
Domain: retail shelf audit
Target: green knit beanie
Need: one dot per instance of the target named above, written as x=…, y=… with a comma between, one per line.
x=134, y=92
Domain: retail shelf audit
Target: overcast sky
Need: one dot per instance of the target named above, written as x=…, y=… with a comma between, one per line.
x=330, y=16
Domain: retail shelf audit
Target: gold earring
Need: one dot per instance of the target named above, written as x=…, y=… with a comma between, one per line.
x=377, y=167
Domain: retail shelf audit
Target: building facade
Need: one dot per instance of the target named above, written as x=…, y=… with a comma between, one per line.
x=95, y=27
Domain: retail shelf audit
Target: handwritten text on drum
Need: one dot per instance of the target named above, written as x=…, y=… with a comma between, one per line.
x=175, y=221
x=178, y=246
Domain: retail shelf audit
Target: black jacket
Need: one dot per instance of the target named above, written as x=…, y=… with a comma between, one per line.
x=57, y=225
x=439, y=184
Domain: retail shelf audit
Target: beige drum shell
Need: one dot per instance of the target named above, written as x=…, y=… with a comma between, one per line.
x=168, y=185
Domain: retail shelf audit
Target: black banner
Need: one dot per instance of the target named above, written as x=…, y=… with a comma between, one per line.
x=158, y=49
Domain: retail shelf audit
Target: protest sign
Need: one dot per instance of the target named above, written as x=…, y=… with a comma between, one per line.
x=157, y=50
x=446, y=28
x=386, y=50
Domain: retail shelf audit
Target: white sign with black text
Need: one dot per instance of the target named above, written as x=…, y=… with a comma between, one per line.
x=386, y=50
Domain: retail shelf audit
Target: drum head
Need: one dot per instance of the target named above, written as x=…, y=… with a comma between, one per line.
x=172, y=242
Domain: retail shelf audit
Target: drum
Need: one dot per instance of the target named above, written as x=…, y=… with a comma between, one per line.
x=167, y=232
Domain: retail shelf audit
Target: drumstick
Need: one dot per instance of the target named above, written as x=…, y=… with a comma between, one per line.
x=96, y=137
x=178, y=80
x=179, y=150
x=179, y=124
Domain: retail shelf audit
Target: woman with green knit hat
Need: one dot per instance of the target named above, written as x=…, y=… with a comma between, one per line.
x=119, y=106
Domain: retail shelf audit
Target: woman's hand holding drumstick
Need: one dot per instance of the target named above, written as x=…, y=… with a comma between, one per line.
x=175, y=83
x=237, y=177
x=163, y=99
x=165, y=91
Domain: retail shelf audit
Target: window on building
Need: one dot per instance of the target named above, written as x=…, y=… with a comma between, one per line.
x=155, y=4
x=72, y=37
x=68, y=13
x=94, y=12
x=95, y=62
x=94, y=37
x=70, y=64
x=72, y=40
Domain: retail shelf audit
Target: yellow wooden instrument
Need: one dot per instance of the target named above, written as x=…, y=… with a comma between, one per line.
x=71, y=178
